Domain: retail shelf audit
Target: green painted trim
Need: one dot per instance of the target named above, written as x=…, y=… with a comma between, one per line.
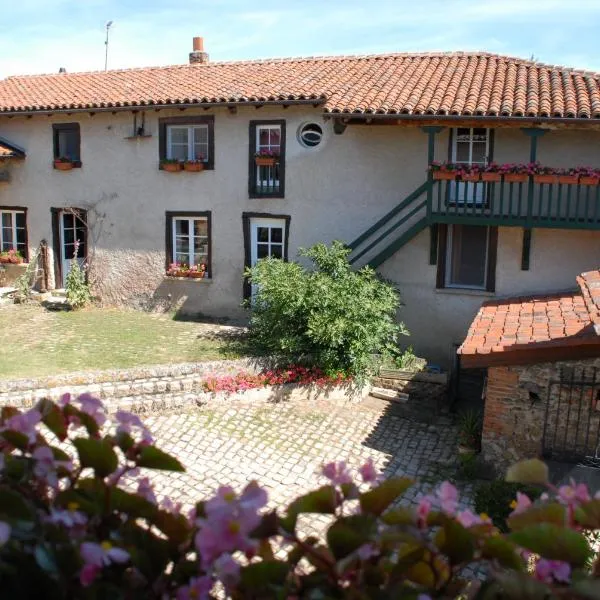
x=397, y=244
x=526, y=252
x=514, y=222
x=383, y=221
x=434, y=231
x=386, y=233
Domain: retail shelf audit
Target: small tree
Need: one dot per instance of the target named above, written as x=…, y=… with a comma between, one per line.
x=336, y=316
x=76, y=285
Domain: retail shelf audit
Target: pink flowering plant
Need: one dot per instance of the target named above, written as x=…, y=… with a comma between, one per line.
x=80, y=518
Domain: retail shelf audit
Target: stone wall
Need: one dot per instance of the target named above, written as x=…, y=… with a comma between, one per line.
x=516, y=400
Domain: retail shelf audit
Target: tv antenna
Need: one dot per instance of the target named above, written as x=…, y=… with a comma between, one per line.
x=108, y=26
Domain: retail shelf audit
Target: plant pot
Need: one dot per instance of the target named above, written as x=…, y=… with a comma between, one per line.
x=193, y=167
x=171, y=167
x=196, y=274
x=470, y=177
x=264, y=161
x=543, y=178
x=63, y=166
x=444, y=175
x=516, y=177
x=491, y=177
x=568, y=179
x=589, y=179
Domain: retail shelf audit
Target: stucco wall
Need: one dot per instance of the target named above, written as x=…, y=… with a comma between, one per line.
x=333, y=191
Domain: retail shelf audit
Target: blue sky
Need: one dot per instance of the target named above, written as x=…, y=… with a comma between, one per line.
x=39, y=36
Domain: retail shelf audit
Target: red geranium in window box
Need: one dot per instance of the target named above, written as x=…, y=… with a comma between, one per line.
x=266, y=158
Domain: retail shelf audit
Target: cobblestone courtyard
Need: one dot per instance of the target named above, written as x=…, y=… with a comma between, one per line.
x=284, y=445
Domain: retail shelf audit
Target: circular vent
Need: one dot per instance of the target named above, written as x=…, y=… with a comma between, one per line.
x=310, y=135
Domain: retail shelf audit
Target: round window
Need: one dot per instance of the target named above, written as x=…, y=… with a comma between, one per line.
x=310, y=135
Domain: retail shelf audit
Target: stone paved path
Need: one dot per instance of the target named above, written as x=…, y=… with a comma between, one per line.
x=284, y=445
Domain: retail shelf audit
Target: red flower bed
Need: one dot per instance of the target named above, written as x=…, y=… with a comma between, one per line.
x=249, y=381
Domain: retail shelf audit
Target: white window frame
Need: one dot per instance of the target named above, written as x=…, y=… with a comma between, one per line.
x=449, y=260
x=191, y=238
x=268, y=223
x=455, y=143
x=13, y=228
x=272, y=180
x=190, y=140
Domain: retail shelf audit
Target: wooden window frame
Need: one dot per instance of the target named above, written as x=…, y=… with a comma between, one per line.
x=58, y=127
x=79, y=213
x=170, y=215
x=13, y=210
x=252, y=167
x=208, y=120
x=246, y=220
x=443, y=261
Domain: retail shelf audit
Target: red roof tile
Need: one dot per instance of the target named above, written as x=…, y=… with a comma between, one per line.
x=530, y=323
x=459, y=83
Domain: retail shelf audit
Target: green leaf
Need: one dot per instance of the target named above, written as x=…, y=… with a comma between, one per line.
x=375, y=501
x=588, y=514
x=16, y=439
x=153, y=458
x=348, y=534
x=532, y=471
x=455, y=542
x=53, y=418
x=268, y=526
x=554, y=542
x=132, y=504
x=60, y=454
x=96, y=454
x=519, y=586
x=13, y=505
x=263, y=575
x=505, y=552
x=45, y=560
x=400, y=516
x=322, y=500
x=86, y=420
x=544, y=513
x=587, y=588
x=175, y=527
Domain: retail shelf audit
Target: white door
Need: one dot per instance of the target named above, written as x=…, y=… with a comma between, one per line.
x=470, y=146
x=267, y=238
x=73, y=228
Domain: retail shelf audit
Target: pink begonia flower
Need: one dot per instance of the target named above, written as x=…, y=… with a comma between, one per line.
x=521, y=504
x=24, y=423
x=367, y=551
x=573, y=494
x=368, y=471
x=146, y=491
x=88, y=574
x=467, y=518
x=93, y=407
x=337, y=473
x=4, y=532
x=423, y=510
x=173, y=507
x=46, y=466
x=227, y=570
x=69, y=518
x=197, y=589
x=423, y=597
x=550, y=571
x=448, y=497
x=102, y=555
x=64, y=400
x=132, y=424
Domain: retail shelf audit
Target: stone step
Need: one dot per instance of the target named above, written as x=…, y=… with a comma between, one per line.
x=388, y=394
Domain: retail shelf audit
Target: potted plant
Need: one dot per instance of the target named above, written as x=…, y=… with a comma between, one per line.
x=470, y=173
x=197, y=271
x=266, y=158
x=515, y=172
x=13, y=257
x=469, y=432
x=443, y=171
x=588, y=176
x=171, y=165
x=491, y=173
x=568, y=176
x=178, y=270
x=544, y=174
x=194, y=165
x=63, y=163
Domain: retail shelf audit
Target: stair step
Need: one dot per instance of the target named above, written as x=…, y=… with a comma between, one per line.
x=388, y=394
x=60, y=293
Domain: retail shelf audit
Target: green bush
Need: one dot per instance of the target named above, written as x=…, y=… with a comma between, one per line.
x=336, y=317
x=77, y=288
x=494, y=498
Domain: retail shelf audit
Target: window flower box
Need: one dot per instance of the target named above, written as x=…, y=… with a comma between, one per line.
x=491, y=177
x=589, y=179
x=11, y=257
x=568, y=179
x=545, y=178
x=193, y=166
x=516, y=177
x=473, y=177
x=265, y=161
x=171, y=166
x=63, y=164
x=444, y=175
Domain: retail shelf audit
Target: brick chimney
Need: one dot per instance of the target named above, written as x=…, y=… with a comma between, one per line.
x=198, y=56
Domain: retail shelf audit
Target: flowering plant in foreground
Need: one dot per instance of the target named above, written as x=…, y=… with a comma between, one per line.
x=79, y=518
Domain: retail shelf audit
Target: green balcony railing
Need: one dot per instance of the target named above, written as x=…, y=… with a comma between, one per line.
x=527, y=203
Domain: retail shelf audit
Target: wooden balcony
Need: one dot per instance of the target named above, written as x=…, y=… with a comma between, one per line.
x=525, y=204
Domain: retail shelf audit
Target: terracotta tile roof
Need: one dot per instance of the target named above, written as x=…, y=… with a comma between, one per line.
x=561, y=320
x=458, y=83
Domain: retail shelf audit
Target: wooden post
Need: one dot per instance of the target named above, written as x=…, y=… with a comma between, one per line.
x=533, y=134
x=431, y=131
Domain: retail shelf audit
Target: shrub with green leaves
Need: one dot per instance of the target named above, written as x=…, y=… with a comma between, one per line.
x=332, y=315
x=77, y=287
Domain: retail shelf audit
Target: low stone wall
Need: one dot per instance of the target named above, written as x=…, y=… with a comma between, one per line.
x=516, y=399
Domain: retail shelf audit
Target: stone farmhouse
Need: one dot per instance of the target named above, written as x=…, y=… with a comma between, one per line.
x=217, y=164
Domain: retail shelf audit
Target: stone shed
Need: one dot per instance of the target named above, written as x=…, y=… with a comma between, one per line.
x=542, y=394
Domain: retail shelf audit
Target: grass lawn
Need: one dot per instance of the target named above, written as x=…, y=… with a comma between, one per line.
x=35, y=342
